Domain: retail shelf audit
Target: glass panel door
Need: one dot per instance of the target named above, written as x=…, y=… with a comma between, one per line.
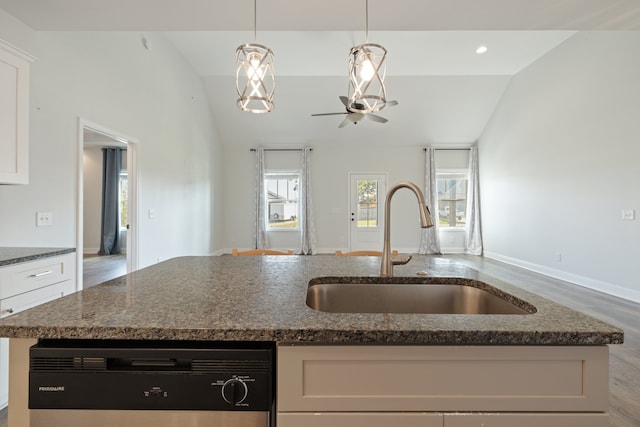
x=366, y=194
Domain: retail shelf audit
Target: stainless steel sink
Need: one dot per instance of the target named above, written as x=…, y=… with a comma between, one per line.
x=425, y=296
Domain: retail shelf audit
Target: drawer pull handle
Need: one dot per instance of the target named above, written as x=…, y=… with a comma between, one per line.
x=44, y=273
x=8, y=311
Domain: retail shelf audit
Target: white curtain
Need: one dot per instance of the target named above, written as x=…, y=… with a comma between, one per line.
x=430, y=241
x=307, y=228
x=260, y=234
x=473, y=233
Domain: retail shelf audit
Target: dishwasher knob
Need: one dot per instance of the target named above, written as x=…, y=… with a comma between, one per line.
x=234, y=391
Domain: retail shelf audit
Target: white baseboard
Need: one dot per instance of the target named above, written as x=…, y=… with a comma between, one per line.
x=587, y=282
x=452, y=250
x=94, y=251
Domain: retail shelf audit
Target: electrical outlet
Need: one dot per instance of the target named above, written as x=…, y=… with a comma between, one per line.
x=44, y=219
x=628, y=214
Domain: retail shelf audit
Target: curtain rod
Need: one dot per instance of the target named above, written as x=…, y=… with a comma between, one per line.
x=282, y=149
x=449, y=149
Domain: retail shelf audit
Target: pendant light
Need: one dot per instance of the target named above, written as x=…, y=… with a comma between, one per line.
x=255, y=81
x=367, y=69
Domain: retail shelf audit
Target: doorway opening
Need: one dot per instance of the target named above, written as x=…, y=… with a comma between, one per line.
x=92, y=267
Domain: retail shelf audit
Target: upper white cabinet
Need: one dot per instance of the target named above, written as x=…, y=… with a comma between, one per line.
x=14, y=115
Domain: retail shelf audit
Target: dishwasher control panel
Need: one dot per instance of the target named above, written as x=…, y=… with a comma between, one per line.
x=152, y=375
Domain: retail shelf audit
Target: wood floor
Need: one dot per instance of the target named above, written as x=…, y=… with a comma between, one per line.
x=100, y=268
x=624, y=401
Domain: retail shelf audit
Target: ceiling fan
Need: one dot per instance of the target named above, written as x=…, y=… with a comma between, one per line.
x=355, y=116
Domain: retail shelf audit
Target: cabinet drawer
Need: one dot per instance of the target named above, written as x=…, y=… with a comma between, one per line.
x=360, y=419
x=26, y=277
x=443, y=378
x=526, y=420
x=39, y=296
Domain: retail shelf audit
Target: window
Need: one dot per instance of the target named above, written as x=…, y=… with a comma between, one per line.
x=452, y=198
x=282, y=200
x=123, y=199
x=367, y=216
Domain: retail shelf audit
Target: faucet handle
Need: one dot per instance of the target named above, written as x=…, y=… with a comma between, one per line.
x=400, y=260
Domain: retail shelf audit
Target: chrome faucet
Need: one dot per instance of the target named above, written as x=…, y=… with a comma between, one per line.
x=386, y=266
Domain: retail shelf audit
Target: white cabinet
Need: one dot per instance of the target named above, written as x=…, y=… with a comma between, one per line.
x=526, y=420
x=14, y=115
x=360, y=419
x=26, y=285
x=458, y=386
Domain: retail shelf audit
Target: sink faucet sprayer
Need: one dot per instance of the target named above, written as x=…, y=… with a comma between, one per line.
x=386, y=266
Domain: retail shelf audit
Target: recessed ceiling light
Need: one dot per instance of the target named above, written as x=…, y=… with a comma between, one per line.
x=481, y=49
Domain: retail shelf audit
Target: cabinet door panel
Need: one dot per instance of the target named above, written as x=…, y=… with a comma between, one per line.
x=359, y=419
x=14, y=115
x=526, y=420
x=442, y=378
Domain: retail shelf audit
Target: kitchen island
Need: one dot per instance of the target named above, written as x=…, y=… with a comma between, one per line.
x=263, y=299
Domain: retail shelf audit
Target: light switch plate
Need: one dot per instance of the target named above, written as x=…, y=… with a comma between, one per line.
x=44, y=219
x=628, y=214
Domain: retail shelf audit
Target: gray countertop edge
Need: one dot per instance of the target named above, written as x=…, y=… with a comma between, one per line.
x=17, y=255
x=344, y=337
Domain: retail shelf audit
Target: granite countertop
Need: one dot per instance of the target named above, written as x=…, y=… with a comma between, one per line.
x=263, y=298
x=15, y=255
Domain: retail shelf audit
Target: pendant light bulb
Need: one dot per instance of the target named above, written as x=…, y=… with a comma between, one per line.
x=367, y=70
x=255, y=71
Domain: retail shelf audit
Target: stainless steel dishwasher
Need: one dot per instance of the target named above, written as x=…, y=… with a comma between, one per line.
x=102, y=383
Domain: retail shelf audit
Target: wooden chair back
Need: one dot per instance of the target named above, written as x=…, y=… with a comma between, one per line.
x=253, y=252
x=364, y=253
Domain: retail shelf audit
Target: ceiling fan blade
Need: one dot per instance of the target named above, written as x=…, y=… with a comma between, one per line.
x=329, y=114
x=376, y=118
x=344, y=100
x=345, y=122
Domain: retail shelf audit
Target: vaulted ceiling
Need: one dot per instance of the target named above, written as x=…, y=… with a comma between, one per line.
x=446, y=91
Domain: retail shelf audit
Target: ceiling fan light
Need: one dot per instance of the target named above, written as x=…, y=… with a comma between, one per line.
x=255, y=79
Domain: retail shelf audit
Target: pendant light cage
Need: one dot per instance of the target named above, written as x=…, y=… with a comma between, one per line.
x=367, y=71
x=255, y=79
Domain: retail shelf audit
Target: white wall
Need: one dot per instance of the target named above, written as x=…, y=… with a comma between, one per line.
x=330, y=166
x=559, y=160
x=111, y=80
